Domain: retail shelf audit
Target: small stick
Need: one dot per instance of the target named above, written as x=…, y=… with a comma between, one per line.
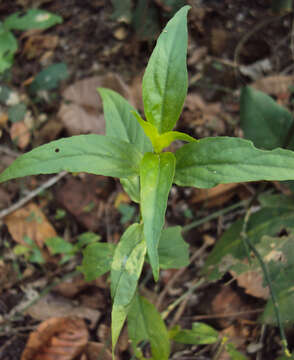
x=32, y=194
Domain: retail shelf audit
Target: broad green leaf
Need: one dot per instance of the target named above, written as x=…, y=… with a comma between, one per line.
x=121, y=122
x=87, y=238
x=49, y=78
x=200, y=334
x=230, y=249
x=131, y=186
x=173, y=251
x=33, y=19
x=221, y=160
x=95, y=154
x=146, y=324
x=161, y=141
x=126, y=269
x=263, y=121
x=156, y=174
x=8, y=46
x=97, y=260
x=17, y=112
x=165, y=80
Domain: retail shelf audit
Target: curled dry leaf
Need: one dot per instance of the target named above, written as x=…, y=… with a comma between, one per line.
x=29, y=221
x=20, y=134
x=62, y=338
x=81, y=111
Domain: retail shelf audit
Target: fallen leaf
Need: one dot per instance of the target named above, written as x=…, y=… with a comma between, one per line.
x=215, y=196
x=54, y=305
x=218, y=40
x=20, y=134
x=62, y=338
x=29, y=221
x=36, y=44
x=252, y=282
x=95, y=351
x=81, y=111
x=274, y=84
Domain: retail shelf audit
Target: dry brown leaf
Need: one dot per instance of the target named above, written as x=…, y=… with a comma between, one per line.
x=20, y=134
x=275, y=84
x=3, y=119
x=217, y=195
x=54, y=305
x=29, y=221
x=37, y=43
x=218, y=40
x=82, y=110
x=95, y=350
x=252, y=282
x=228, y=301
x=62, y=338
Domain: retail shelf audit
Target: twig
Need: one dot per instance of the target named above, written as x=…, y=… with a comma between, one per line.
x=231, y=314
x=173, y=305
x=32, y=194
x=178, y=274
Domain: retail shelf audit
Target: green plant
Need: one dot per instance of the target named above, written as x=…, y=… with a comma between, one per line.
x=133, y=151
x=33, y=19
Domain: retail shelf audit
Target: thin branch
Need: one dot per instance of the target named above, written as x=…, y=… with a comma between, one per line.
x=32, y=194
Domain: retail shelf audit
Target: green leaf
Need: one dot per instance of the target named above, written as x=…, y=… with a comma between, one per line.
x=5, y=91
x=221, y=160
x=230, y=248
x=131, y=186
x=8, y=46
x=87, y=238
x=58, y=245
x=156, y=174
x=49, y=78
x=145, y=324
x=281, y=6
x=95, y=154
x=234, y=353
x=200, y=334
x=17, y=112
x=97, y=260
x=126, y=269
x=263, y=121
x=33, y=19
x=278, y=253
x=165, y=80
x=121, y=122
x=159, y=142
x=173, y=251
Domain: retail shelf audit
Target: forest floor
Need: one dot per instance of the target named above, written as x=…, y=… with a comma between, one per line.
x=99, y=50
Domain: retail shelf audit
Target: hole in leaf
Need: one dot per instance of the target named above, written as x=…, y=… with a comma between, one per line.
x=57, y=150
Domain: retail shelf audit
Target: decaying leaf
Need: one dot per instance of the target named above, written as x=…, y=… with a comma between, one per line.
x=54, y=305
x=29, y=221
x=95, y=351
x=61, y=338
x=20, y=134
x=274, y=84
x=81, y=111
